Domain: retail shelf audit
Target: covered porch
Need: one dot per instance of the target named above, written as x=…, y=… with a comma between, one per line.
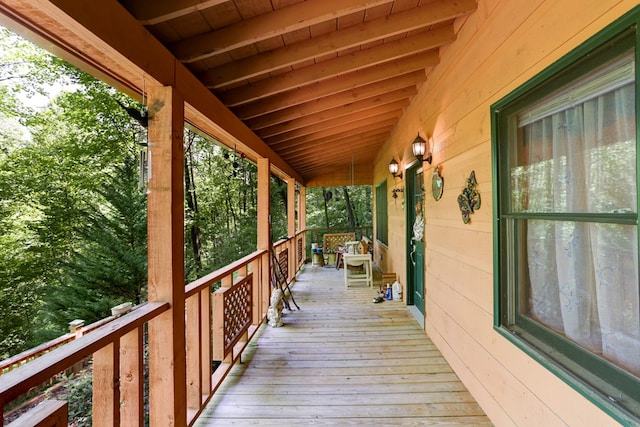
x=342, y=360
x=329, y=93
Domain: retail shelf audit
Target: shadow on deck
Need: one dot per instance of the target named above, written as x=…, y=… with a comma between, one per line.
x=342, y=361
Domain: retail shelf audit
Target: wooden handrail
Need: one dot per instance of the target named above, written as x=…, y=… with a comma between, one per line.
x=19, y=359
x=211, y=278
x=35, y=373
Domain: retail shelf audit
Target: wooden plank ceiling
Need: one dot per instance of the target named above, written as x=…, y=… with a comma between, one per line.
x=322, y=82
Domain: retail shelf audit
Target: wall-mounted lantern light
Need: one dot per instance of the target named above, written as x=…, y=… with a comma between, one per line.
x=394, y=169
x=421, y=149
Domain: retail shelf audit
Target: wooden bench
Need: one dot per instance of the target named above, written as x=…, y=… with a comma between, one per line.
x=331, y=242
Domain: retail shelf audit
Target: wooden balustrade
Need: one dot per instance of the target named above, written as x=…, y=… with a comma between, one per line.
x=102, y=344
x=11, y=363
x=219, y=325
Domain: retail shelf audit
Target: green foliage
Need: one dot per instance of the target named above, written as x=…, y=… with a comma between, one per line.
x=79, y=395
x=109, y=265
x=337, y=211
x=223, y=206
x=55, y=162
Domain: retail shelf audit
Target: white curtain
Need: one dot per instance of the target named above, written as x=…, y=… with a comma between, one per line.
x=583, y=276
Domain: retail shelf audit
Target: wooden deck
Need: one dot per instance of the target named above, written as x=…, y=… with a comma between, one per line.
x=342, y=361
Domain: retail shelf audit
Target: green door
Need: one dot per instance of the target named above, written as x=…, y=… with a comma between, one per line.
x=415, y=236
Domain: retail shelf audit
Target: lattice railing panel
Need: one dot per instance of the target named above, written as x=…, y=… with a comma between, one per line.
x=300, y=250
x=283, y=261
x=237, y=312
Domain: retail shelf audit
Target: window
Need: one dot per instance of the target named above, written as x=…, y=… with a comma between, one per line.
x=565, y=167
x=381, y=213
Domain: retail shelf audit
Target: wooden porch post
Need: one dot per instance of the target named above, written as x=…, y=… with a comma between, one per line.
x=291, y=227
x=302, y=219
x=167, y=360
x=262, y=287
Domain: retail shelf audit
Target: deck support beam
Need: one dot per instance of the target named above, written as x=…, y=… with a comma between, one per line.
x=291, y=227
x=261, y=301
x=167, y=361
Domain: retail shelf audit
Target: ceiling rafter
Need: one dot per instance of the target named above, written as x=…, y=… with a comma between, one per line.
x=375, y=122
x=265, y=26
x=321, y=82
x=353, y=143
x=377, y=29
x=360, y=117
x=357, y=61
x=339, y=84
x=388, y=99
x=407, y=83
x=157, y=11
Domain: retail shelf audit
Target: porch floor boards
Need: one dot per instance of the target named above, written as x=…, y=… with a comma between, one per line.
x=342, y=361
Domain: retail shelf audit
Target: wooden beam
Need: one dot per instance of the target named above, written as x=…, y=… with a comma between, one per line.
x=106, y=388
x=389, y=100
x=360, y=117
x=406, y=84
x=346, y=138
x=132, y=378
x=157, y=11
x=332, y=176
x=194, y=352
x=355, y=35
x=264, y=203
x=350, y=136
x=291, y=226
x=342, y=152
x=302, y=209
x=373, y=122
x=291, y=209
x=263, y=238
x=350, y=81
x=167, y=362
x=388, y=52
x=344, y=164
x=265, y=26
x=317, y=148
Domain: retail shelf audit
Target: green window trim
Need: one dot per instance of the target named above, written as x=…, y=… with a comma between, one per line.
x=381, y=213
x=611, y=388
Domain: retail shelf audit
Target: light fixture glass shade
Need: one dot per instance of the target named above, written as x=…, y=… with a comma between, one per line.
x=419, y=147
x=393, y=167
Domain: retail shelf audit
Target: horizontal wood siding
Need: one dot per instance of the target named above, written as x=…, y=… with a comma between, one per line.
x=502, y=45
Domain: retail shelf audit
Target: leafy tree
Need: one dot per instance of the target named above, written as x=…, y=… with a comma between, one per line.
x=110, y=264
x=54, y=162
x=339, y=207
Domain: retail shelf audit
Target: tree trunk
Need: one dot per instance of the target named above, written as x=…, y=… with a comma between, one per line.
x=350, y=213
x=326, y=210
x=192, y=201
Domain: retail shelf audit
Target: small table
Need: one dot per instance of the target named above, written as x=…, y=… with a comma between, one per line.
x=357, y=260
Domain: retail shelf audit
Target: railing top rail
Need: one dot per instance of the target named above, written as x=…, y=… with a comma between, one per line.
x=34, y=373
x=205, y=281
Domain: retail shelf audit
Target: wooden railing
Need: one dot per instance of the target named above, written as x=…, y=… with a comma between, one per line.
x=11, y=363
x=219, y=325
x=290, y=253
x=104, y=344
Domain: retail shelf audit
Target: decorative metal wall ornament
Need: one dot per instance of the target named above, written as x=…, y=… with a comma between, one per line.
x=469, y=199
x=437, y=183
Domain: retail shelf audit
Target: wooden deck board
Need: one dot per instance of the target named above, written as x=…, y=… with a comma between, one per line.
x=342, y=361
